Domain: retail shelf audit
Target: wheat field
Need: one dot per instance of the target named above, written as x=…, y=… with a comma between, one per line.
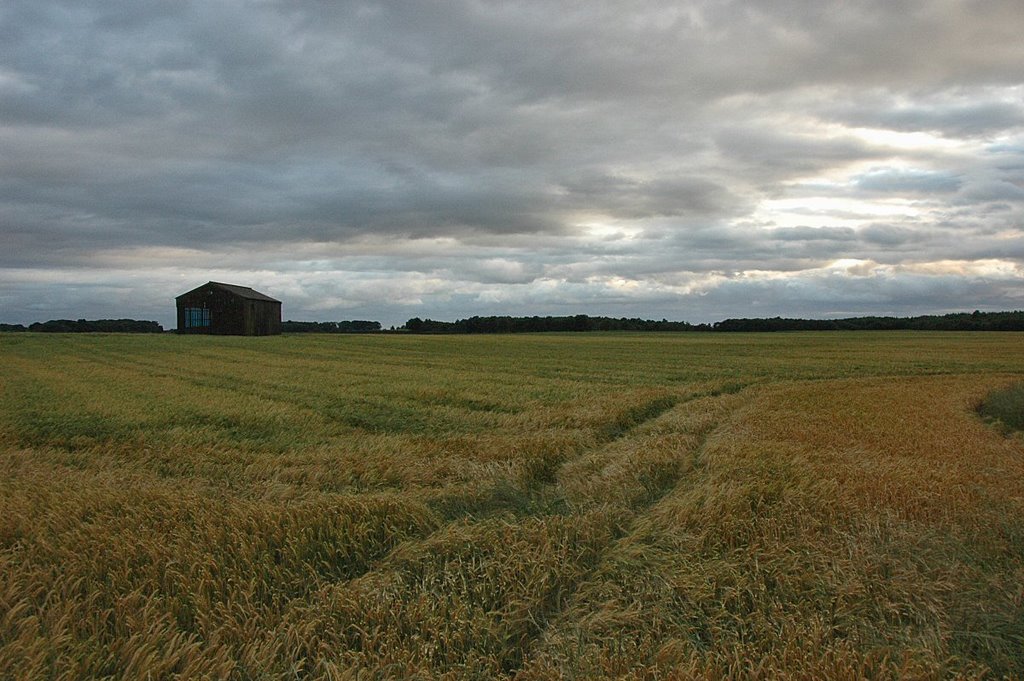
x=605, y=506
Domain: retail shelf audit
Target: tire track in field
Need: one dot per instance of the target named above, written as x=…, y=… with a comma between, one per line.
x=691, y=458
x=459, y=539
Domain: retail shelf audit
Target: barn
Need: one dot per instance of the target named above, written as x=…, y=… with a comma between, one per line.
x=227, y=309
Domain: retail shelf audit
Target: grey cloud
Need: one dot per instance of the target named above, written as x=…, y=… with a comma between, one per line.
x=902, y=181
x=949, y=118
x=779, y=154
x=633, y=198
x=814, y=234
x=995, y=190
x=838, y=295
x=890, y=235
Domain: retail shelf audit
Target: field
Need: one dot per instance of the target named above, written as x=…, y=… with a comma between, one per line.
x=531, y=507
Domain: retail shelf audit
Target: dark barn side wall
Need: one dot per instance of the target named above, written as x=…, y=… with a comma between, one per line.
x=262, y=318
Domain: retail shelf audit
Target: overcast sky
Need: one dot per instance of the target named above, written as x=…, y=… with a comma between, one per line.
x=384, y=160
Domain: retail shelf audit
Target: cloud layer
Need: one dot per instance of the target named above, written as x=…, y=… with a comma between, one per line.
x=386, y=160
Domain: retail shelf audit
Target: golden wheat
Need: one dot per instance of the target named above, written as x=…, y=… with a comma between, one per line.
x=621, y=506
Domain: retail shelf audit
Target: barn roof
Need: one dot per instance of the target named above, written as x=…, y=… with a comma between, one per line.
x=240, y=291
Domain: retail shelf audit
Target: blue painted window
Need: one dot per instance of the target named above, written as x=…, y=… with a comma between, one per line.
x=197, y=317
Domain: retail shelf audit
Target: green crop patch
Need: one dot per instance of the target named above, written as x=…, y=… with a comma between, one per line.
x=1005, y=407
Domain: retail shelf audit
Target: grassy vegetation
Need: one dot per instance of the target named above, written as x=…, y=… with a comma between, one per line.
x=1005, y=407
x=531, y=507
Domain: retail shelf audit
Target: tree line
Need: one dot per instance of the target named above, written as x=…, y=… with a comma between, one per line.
x=354, y=326
x=962, y=321
x=141, y=326
x=957, y=321
x=87, y=326
x=579, y=322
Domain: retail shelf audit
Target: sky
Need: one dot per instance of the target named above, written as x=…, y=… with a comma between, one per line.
x=441, y=159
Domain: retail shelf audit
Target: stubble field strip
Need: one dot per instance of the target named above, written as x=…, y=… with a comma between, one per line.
x=608, y=506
